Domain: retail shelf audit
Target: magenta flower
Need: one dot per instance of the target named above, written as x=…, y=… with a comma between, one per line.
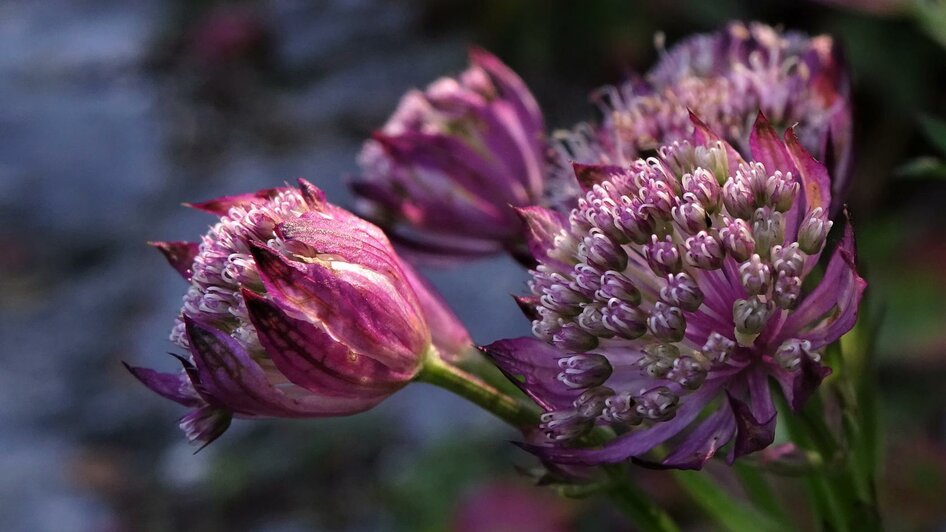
x=726, y=78
x=674, y=289
x=441, y=175
x=296, y=308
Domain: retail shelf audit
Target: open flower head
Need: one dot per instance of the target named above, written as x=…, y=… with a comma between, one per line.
x=444, y=170
x=681, y=286
x=296, y=308
x=725, y=78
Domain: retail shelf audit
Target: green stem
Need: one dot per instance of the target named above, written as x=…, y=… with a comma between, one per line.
x=631, y=500
x=635, y=503
x=729, y=513
x=437, y=372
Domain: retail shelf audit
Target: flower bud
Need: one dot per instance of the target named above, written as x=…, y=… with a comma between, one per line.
x=789, y=355
x=444, y=170
x=637, y=225
x=617, y=285
x=564, y=425
x=704, y=188
x=667, y=323
x=704, y=251
x=621, y=408
x=690, y=217
x=572, y=338
x=781, y=189
x=662, y=256
x=688, y=372
x=658, y=359
x=787, y=291
x=737, y=239
x=768, y=229
x=813, y=231
x=592, y=320
x=628, y=322
x=718, y=348
x=737, y=198
x=788, y=259
x=601, y=252
x=584, y=371
x=592, y=402
x=297, y=308
x=682, y=291
x=755, y=275
x=657, y=404
x=750, y=316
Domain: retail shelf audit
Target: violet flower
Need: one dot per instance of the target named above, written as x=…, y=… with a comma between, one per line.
x=675, y=288
x=442, y=173
x=725, y=78
x=296, y=308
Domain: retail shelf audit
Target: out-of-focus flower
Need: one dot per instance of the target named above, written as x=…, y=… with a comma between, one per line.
x=726, y=78
x=675, y=288
x=441, y=175
x=296, y=308
x=506, y=506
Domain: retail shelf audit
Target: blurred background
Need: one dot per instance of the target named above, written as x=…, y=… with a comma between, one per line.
x=112, y=113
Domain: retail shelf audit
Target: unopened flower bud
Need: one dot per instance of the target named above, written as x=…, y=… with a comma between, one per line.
x=738, y=199
x=781, y=189
x=737, y=239
x=626, y=321
x=682, y=291
x=666, y=322
x=755, y=275
x=813, y=231
x=584, y=371
x=586, y=280
x=617, y=285
x=663, y=256
x=788, y=259
x=787, y=291
x=572, y=338
x=637, y=225
x=704, y=251
x=704, y=188
x=690, y=217
x=657, y=359
x=657, y=404
x=602, y=252
x=750, y=316
x=565, y=425
x=688, y=372
x=718, y=348
x=768, y=229
x=592, y=321
x=621, y=408
x=591, y=403
x=789, y=355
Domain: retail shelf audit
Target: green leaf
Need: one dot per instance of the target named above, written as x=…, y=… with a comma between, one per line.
x=935, y=131
x=728, y=512
x=922, y=168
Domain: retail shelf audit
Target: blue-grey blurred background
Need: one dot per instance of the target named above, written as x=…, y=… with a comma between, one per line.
x=112, y=113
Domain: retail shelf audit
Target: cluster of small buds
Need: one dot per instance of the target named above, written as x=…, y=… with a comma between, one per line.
x=224, y=264
x=640, y=256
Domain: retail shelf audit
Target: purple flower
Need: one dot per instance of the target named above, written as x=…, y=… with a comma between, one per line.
x=689, y=324
x=726, y=78
x=296, y=308
x=444, y=170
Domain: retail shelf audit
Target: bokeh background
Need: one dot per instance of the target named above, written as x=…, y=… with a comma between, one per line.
x=113, y=112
